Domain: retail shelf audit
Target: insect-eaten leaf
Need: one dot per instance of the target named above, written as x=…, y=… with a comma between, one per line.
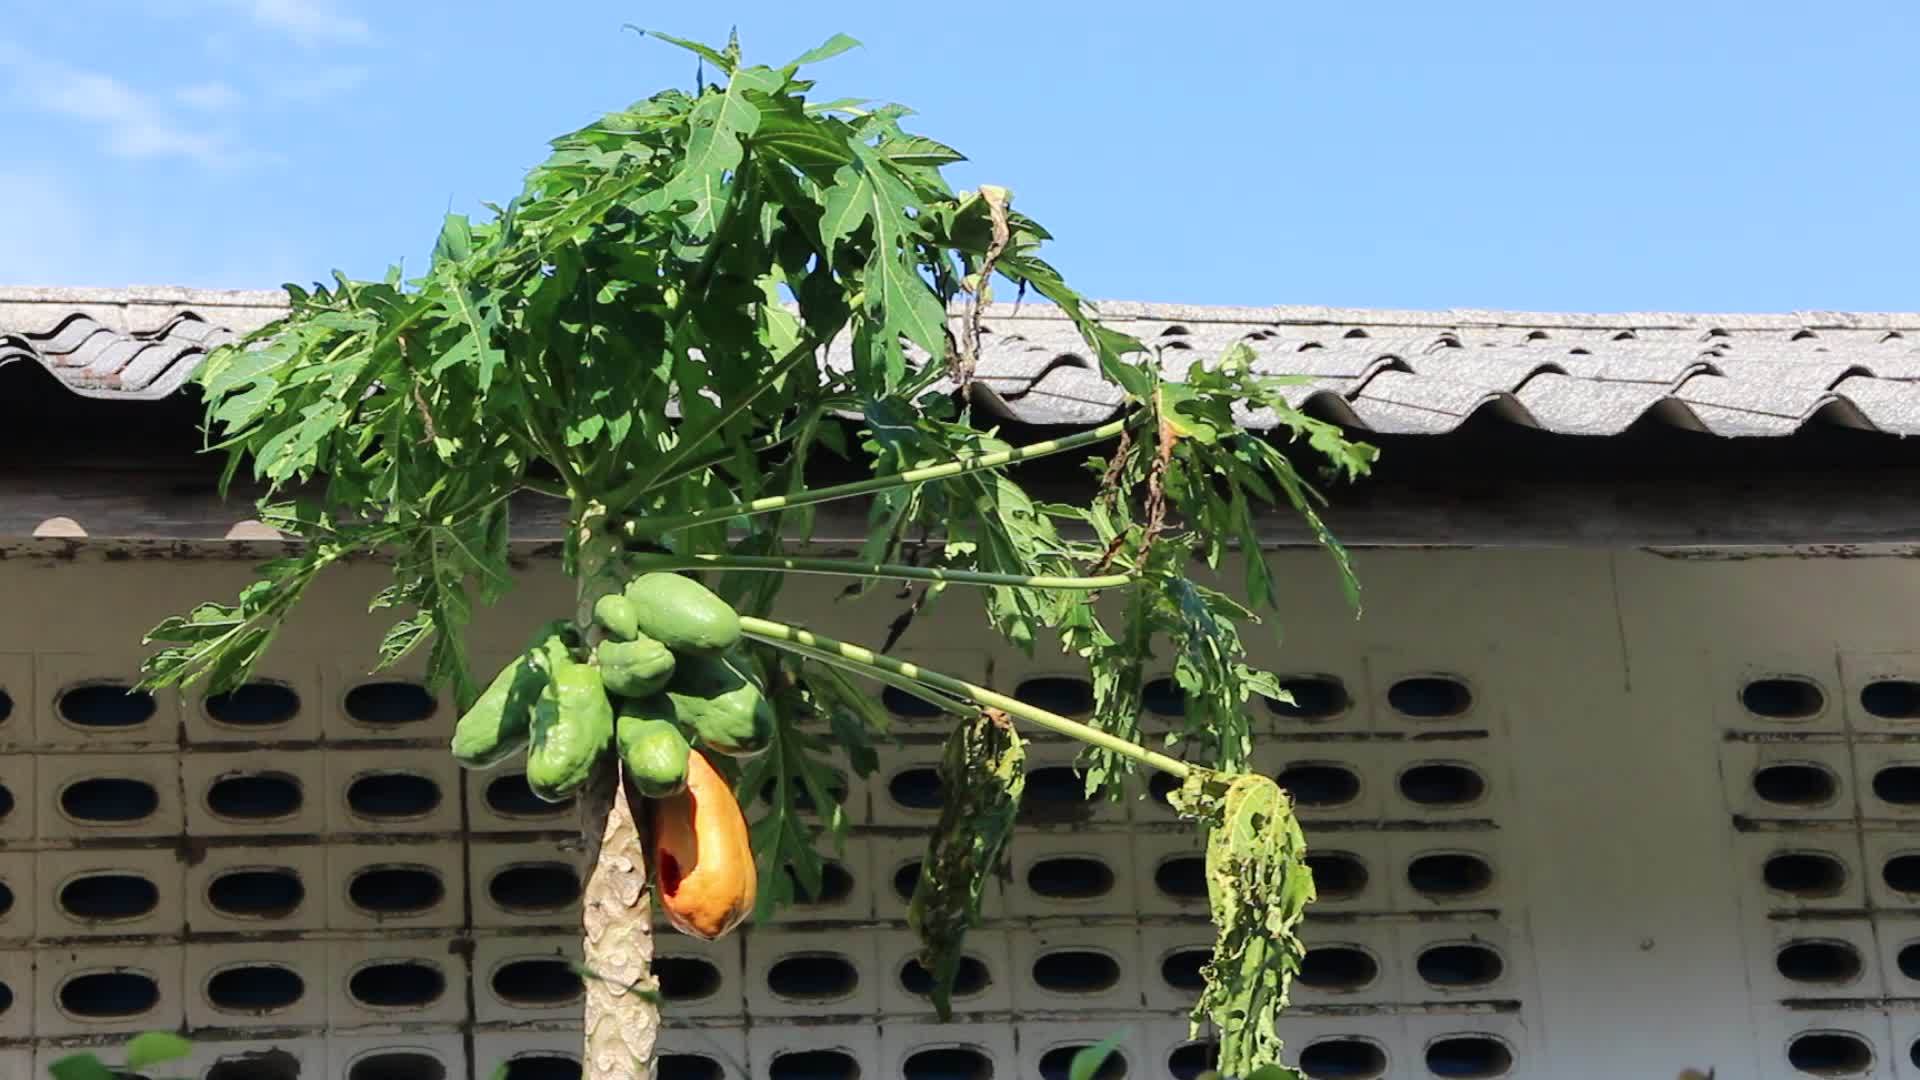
x=983, y=774
x=1258, y=889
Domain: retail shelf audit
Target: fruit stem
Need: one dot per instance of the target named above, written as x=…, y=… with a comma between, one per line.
x=851, y=568
x=781, y=635
x=647, y=527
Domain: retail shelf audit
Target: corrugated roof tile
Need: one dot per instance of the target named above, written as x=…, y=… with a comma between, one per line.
x=1387, y=370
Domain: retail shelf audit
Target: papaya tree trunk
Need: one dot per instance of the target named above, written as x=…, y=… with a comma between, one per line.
x=616, y=911
x=617, y=938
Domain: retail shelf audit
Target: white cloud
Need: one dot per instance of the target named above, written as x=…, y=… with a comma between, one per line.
x=309, y=22
x=214, y=96
x=131, y=124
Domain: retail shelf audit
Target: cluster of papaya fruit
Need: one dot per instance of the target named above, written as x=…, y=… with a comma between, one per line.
x=663, y=680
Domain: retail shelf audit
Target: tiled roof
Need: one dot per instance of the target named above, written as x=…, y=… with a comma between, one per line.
x=1373, y=370
x=125, y=343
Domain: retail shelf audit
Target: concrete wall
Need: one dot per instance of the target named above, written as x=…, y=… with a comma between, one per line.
x=1564, y=874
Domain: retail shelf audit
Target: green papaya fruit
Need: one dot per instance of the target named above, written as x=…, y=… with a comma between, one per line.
x=652, y=748
x=615, y=614
x=495, y=727
x=718, y=699
x=634, y=668
x=572, y=725
x=683, y=614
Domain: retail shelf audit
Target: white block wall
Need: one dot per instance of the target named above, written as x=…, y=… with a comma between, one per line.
x=1573, y=815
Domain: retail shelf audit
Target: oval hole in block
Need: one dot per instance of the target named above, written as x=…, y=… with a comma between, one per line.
x=687, y=1067
x=1902, y=873
x=1469, y=1057
x=1190, y=1061
x=1338, y=969
x=509, y=796
x=813, y=1065
x=1783, y=698
x=1315, y=697
x=108, y=897
x=396, y=890
x=108, y=995
x=917, y=788
x=1449, y=874
x=970, y=977
x=1898, y=785
x=1829, y=962
x=1345, y=1059
x=255, y=988
x=1830, y=1054
x=1070, y=877
x=1182, y=877
x=256, y=894
x=1430, y=697
x=542, y=1067
x=947, y=1063
x=535, y=887
x=1891, y=699
x=393, y=796
x=253, y=705
x=1799, y=784
x=397, y=984
x=105, y=705
x=1319, y=785
x=253, y=797
x=1055, y=795
x=906, y=879
x=109, y=800
x=390, y=703
x=1076, y=971
x=813, y=977
x=1337, y=875
x=1068, y=695
x=1181, y=970
x=397, y=1065
x=686, y=978
x=1442, y=784
x=1459, y=966
x=540, y=983
x=1057, y=1064
x=1161, y=787
x=256, y=1065
x=1805, y=874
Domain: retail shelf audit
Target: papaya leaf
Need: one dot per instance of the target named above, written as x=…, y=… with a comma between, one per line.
x=982, y=775
x=1258, y=888
x=156, y=1047
x=1086, y=1064
x=80, y=1067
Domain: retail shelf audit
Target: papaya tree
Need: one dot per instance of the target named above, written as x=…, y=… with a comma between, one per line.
x=692, y=305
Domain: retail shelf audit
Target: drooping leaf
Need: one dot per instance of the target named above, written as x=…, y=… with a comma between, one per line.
x=982, y=775
x=1258, y=889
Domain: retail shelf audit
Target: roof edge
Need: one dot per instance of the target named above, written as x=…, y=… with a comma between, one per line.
x=1296, y=314
x=169, y=295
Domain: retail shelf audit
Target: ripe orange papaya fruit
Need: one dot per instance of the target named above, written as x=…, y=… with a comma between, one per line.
x=702, y=859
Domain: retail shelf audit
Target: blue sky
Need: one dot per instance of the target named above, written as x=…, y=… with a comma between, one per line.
x=1620, y=156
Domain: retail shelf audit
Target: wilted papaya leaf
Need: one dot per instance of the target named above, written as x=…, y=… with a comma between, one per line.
x=1258, y=889
x=982, y=773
